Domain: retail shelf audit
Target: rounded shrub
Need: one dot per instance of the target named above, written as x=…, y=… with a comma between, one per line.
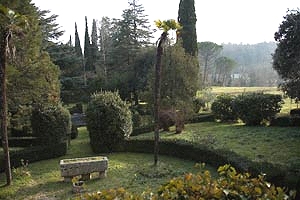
x=109, y=121
x=51, y=124
x=222, y=108
x=254, y=108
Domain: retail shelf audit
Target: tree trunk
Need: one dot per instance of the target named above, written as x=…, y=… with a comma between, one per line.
x=157, y=86
x=3, y=62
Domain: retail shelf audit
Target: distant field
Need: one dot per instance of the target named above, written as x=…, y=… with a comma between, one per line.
x=240, y=90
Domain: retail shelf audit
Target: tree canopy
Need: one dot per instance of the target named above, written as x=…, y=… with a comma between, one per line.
x=286, y=59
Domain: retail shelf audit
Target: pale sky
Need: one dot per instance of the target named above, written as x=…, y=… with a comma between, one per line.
x=219, y=21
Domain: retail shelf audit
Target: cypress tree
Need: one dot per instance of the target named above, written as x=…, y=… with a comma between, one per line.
x=78, y=49
x=187, y=19
x=94, y=45
x=87, y=49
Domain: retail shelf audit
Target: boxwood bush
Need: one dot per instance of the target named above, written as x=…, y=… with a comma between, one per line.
x=222, y=108
x=51, y=124
x=109, y=121
x=254, y=108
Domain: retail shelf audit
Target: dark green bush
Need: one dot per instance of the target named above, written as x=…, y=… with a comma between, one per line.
x=197, y=118
x=109, y=121
x=282, y=121
x=51, y=124
x=222, y=108
x=255, y=108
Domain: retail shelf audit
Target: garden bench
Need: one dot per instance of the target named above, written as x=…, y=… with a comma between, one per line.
x=84, y=167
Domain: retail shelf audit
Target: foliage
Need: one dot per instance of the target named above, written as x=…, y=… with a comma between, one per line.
x=222, y=108
x=51, y=124
x=65, y=56
x=287, y=54
x=224, y=67
x=89, y=63
x=167, y=25
x=109, y=121
x=254, y=108
x=78, y=49
x=198, y=104
x=187, y=19
x=208, y=52
x=180, y=80
x=229, y=185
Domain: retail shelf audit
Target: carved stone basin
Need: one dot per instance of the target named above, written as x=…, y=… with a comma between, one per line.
x=84, y=167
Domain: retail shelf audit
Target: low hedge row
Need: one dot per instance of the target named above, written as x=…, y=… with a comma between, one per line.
x=33, y=154
x=276, y=174
x=23, y=141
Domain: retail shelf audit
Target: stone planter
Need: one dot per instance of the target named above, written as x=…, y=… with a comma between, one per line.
x=84, y=167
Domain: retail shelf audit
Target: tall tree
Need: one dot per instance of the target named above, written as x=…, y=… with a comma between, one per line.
x=31, y=76
x=286, y=59
x=78, y=48
x=50, y=29
x=187, y=19
x=7, y=17
x=224, y=66
x=132, y=33
x=208, y=52
x=94, y=45
x=105, y=46
x=88, y=60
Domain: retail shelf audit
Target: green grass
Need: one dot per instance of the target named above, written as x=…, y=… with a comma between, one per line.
x=278, y=145
x=134, y=172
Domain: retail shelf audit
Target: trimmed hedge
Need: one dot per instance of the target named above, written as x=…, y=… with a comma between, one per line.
x=223, y=109
x=23, y=141
x=254, y=108
x=197, y=118
x=35, y=153
x=276, y=174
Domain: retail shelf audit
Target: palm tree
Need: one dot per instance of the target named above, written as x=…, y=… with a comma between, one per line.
x=165, y=26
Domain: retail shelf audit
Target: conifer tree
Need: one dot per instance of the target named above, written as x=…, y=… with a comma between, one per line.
x=88, y=63
x=78, y=49
x=187, y=19
x=94, y=45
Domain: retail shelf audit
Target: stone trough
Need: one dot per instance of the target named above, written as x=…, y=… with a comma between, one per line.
x=70, y=168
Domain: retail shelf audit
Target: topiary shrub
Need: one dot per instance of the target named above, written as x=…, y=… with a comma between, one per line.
x=51, y=124
x=222, y=108
x=109, y=121
x=169, y=118
x=254, y=108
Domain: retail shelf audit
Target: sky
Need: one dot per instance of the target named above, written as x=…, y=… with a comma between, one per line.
x=218, y=21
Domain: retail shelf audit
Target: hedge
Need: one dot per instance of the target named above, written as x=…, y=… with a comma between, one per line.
x=33, y=154
x=277, y=174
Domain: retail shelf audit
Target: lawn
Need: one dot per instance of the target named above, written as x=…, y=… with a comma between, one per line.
x=278, y=145
x=134, y=172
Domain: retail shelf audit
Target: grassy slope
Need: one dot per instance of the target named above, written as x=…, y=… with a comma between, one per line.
x=125, y=170
x=273, y=144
